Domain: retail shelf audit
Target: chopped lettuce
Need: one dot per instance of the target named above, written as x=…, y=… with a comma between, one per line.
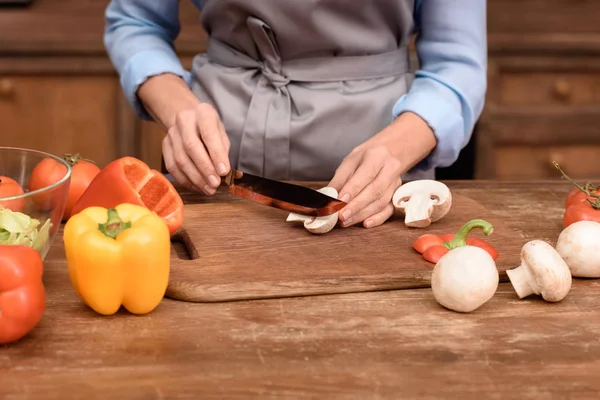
x=20, y=229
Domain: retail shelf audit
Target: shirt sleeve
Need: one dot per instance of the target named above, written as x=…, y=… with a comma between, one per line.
x=139, y=38
x=448, y=91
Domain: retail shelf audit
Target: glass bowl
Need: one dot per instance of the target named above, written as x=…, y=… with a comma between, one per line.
x=36, y=205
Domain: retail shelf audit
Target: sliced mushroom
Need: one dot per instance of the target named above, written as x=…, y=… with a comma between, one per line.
x=318, y=225
x=464, y=279
x=422, y=202
x=542, y=272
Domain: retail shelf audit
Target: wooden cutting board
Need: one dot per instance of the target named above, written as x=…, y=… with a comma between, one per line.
x=244, y=251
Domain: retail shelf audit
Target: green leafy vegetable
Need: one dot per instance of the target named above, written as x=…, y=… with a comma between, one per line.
x=20, y=229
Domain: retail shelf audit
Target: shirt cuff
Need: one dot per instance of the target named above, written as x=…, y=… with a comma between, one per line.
x=144, y=65
x=444, y=120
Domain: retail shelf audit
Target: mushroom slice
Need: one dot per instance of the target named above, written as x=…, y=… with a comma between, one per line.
x=422, y=202
x=318, y=225
x=579, y=245
x=464, y=279
x=542, y=272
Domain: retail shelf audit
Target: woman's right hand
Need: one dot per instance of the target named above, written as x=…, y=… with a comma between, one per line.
x=196, y=148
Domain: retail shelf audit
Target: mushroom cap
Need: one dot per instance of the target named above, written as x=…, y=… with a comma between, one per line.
x=438, y=193
x=579, y=245
x=464, y=279
x=550, y=275
x=318, y=225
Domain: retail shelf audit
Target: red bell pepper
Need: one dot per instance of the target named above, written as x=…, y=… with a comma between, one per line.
x=582, y=202
x=22, y=294
x=434, y=247
x=129, y=180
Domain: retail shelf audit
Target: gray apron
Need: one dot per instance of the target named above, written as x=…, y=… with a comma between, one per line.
x=299, y=83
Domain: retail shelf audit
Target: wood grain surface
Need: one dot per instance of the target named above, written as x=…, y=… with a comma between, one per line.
x=244, y=250
x=397, y=344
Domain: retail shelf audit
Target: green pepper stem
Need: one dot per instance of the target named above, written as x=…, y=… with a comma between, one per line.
x=459, y=239
x=585, y=189
x=114, y=225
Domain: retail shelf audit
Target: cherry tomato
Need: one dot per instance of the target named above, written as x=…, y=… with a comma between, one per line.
x=8, y=188
x=578, y=196
x=49, y=171
x=582, y=211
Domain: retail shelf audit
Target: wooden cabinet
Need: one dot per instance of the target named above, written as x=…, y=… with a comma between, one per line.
x=58, y=90
x=543, y=100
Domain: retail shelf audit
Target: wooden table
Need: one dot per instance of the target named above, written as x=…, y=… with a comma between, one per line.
x=396, y=344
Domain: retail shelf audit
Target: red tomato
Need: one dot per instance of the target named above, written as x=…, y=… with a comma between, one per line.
x=582, y=211
x=129, y=180
x=578, y=196
x=8, y=188
x=22, y=293
x=49, y=171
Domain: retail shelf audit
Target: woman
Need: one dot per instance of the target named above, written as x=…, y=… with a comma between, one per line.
x=308, y=90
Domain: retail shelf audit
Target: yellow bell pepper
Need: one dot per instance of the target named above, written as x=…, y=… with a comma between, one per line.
x=118, y=257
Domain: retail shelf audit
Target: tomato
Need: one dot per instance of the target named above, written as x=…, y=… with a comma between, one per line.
x=129, y=180
x=22, y=293
x=8, y=188
x=582, y=211
x=576, y=195
x=49, y=171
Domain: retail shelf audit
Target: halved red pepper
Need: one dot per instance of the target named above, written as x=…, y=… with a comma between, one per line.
x=434, y=247
x=129, y=180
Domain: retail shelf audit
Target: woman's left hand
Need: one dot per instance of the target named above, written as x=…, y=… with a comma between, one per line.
x=368, y=177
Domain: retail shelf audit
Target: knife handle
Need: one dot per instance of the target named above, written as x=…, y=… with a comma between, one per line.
x=228, y=179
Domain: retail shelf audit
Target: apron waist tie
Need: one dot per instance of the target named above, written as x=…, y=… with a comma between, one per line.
x=265, y=139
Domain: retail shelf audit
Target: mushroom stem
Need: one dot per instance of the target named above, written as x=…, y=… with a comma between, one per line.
x=459, y=239
x=520, y=278
x=418, y=210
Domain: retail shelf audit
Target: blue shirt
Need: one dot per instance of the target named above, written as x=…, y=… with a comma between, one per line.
x=448, y=91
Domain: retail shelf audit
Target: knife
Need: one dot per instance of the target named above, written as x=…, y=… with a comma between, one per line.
x=285, y=196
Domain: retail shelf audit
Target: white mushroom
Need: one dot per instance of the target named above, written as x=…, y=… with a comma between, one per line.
x=579, y=245
x=318, y=225
x=422, y=202
x=464, y=279
x=542, y=272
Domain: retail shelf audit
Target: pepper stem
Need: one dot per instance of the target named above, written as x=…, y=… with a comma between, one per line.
x=585, y=189
x=114, y=225
x=459, y=239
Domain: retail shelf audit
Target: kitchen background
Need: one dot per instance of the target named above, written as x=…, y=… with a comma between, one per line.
x=59, y=92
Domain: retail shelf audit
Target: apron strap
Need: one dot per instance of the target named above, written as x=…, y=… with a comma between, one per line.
x=266, y=131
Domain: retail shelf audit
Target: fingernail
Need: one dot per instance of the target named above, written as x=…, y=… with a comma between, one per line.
x=348, y=222
x=214, y=181
x=346, y=215
x=345, y=197
x=222, y=168
x=208, y=190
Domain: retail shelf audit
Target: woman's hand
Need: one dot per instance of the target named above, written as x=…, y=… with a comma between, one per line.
x=368, y=177
x=196, y=147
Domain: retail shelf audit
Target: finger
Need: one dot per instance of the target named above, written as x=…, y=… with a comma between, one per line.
x=186, y=164
x=343, y=173
x=188, y=143
x=380, y=217
x=212, y=137
x=171, y=166
x=224, y=137
x=380, y=191
x=379, y=204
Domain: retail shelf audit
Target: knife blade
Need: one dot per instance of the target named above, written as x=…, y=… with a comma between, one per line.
x=284, y=196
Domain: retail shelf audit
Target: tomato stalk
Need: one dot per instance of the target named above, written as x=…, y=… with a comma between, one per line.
x=73, y=159
x=588, y=188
